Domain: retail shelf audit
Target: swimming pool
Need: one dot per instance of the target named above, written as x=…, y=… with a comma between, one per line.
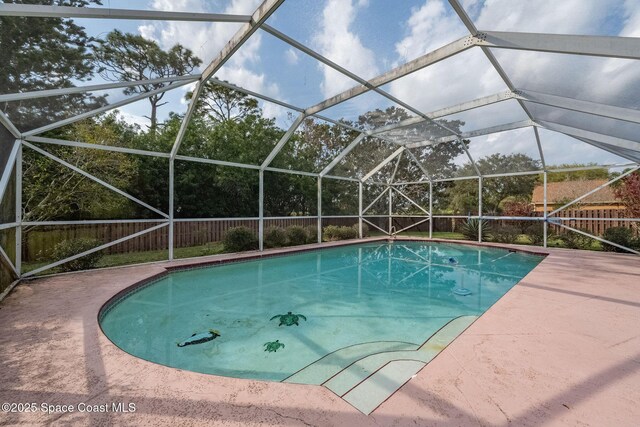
x=352, y=302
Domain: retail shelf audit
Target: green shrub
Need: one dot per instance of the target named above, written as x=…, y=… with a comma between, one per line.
x=620, y=235
x=68, y=248
x=296, y=235
x=348, y=233
x=365, y=229
x=312, y=233
x=504, y=234
x=238, y=239
x=333, y=232
x=470, y=229
x=275, y=237
x=535, y=233
x=573, y=240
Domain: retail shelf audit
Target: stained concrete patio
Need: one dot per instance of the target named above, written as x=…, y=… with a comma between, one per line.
x=561, y=348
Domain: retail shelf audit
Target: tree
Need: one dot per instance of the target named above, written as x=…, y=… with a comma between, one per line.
x=464, y=193
x=52, y=191
x=127, y=57
x=518, y=206
x=628, y=191
x=40, y=54
x=580, y=175
x=221, y=103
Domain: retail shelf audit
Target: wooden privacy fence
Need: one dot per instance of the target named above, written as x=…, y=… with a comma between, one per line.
x=590, y=220
x=39, y=242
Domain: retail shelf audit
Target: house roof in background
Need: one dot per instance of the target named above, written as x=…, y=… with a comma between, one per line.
x=570, y=190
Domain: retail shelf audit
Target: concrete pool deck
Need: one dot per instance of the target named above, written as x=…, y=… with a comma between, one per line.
x=561, y=348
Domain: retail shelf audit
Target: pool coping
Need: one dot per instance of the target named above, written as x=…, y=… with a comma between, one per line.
x=512, y=334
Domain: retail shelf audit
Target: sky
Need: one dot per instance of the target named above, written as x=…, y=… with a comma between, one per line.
x=369, y=37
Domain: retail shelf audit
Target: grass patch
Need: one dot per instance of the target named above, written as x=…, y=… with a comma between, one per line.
x=114, y=260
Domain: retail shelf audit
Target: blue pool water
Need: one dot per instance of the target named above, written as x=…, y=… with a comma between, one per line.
x=375, y=292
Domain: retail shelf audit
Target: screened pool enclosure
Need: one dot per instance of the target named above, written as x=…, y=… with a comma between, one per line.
x=475, y=98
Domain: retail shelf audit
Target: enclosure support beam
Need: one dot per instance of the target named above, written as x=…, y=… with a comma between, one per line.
x=474, y=133
x=360, y=210
x=342, y=154
x=7, y=261
x=602, y=110
x=348, y=73
x=319, y=209
x=11, y=161
x=21, y=96
x=600, y=187
x=458, y=108
x=430, y=58
x=412, y=201
x=171, y=206
x=539, y=144
x=261, y=210
x=288, y=134
x=78, y=144
x=375, y=200
x=480, y=209
x=4, y=120
x=96, y=249
x=415, y=224
x=19, y=210
x=45, y=11
x=633, y=156
x=600, y=239
x=605, y=46
x=581, y=133
x=93, y=178
x=375, y=226
x=430, y=210
x=545, y=224
x=101, y=110
x=390, y=219
x=383, y=163
x=473, y=163
x=419, y=164
x=462, y=14
x=262, y=13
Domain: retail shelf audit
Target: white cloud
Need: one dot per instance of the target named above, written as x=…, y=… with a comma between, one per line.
x=291, y=56
x=468, y=75
x=207, y=39
x=457, y=79
x=134, y=119
x=336, y=41
x=429, y=27
x=518, y=141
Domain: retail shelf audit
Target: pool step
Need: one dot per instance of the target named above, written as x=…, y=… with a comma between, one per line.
x=323, y=369
x=369, y=381
x=382, y=384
